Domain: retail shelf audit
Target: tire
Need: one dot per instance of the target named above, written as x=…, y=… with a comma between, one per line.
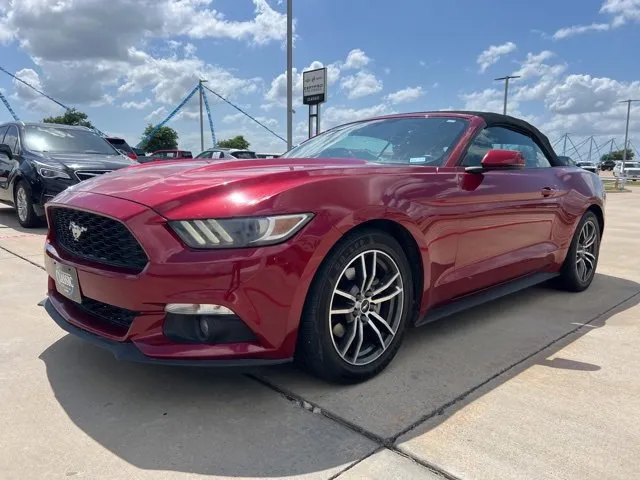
x=27, y=216
x=572, y=276
x=328, y=343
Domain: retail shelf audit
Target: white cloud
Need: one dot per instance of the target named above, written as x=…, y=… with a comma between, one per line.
x=157, y=114
x=621, y=11
x=188, y=18
x=356, y=59
x=536, y=68
x=586, y=94
x=79, y=69
x=338, y=115
x=31, y=99
x=580, y=29
x=491, y=55
x=137, y=105
x=361, y=84
x=405, y=95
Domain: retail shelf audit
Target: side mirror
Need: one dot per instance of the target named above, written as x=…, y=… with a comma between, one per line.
x=499, y=160
x=6, y=150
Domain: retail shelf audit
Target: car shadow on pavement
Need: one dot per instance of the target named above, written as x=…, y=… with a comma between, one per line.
x=220, y=423
x=9, y=224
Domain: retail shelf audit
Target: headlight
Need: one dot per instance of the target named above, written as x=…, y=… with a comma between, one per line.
x=239, y=232
x=50, y=171
x=47, y=172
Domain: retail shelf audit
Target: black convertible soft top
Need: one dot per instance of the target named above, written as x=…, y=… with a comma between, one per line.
x=499, y=120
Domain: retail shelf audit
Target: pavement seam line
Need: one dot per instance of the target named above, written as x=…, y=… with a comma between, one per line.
x=23, y=258
x=349, y=467
x=441, y=409
x=315, y=408
x=382, y=442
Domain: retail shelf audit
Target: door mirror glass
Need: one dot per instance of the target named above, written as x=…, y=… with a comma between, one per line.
x=499, y=159
x=6, y=150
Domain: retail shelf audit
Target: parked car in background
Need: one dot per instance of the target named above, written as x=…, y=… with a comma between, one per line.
x=327, y=255
x=607, y=165
x=227, y=153
x=123, y=146
x=40, y=160
x=591, y=167
x=632, y=169
x=139, y=152
x=568, y=161
x=268, y=155
x=167, y=155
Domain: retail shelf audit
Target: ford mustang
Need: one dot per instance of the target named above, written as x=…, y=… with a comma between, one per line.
x=327, y=255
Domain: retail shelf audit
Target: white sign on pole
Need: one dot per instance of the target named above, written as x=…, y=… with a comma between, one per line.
x=314, y=86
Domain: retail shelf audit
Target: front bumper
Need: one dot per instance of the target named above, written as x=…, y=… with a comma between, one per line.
x=129, y=352
x=265, y=287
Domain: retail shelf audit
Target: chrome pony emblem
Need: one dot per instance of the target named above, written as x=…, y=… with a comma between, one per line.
x=76, y=230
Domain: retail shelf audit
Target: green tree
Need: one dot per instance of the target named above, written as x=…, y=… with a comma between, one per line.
x=617, y=155
x=166, y=138
x=236, y=142
x=70, y=117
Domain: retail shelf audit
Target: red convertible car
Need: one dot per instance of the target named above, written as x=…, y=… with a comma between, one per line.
x=326, y=255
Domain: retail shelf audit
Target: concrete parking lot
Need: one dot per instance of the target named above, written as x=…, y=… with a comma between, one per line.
x=542, y=384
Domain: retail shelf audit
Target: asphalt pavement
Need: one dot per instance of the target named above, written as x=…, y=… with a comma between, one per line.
x=541, y=384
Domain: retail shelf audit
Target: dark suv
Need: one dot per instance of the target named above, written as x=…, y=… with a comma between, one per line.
x=40, y=160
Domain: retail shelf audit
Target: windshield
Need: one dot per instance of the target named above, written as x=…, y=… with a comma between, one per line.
x=244, y=154
x=65, y=140
x=412, y=140
x=120, y=144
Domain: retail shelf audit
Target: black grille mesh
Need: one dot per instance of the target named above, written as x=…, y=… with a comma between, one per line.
x=102, y=240
x=119, y=317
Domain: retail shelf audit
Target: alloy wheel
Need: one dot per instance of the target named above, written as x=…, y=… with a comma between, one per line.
x=586, y=251
x=22, y=204
x=366, y=307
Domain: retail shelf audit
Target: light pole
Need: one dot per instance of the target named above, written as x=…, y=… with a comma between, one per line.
x=506, y=89
x=289, y=74
x=626, y=132
x=200, y=82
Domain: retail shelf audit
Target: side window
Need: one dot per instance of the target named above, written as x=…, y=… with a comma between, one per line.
x=216, y=154
x=3, y=130
x=504, y=138
x=206, y=154
x=11, y=138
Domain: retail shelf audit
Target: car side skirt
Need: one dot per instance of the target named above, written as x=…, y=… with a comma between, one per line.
x=484, y=296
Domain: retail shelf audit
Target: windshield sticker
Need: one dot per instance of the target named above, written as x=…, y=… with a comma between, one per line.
x=417, y=160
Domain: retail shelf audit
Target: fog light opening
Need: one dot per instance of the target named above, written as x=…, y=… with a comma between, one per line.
x=197, y=309
x=205, y=331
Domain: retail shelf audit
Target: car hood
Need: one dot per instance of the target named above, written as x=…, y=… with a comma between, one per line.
x=164, y=186
x=88, y=161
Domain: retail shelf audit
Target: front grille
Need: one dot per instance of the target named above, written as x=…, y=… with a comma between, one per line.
x=96, y=238
x=115, y=316
x=88, y=174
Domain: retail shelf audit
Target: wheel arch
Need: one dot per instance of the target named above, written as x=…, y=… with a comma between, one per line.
x=402, y=234
x=597, y=211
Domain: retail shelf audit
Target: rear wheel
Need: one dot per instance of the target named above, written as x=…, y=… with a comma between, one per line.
x=24, y=207
x=357, y=309
x=579, y=266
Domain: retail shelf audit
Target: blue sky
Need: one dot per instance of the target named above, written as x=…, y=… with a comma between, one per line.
x=130, y=64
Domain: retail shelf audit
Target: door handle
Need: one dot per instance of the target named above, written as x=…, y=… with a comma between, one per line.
x=548, y=191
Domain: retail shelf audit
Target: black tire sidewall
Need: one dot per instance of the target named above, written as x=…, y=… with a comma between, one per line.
x=569, y=275
x=30, y=220
x=328, y=363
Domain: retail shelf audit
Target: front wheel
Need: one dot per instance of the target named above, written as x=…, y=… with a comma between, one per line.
x=579, y=266
x=357, y=309
x=27, y=216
